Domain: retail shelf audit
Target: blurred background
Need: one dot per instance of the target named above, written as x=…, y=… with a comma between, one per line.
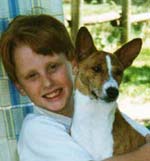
x=112, y=23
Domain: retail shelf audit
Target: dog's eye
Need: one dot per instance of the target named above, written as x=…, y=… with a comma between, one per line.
x=118, y=72
x=97, y=69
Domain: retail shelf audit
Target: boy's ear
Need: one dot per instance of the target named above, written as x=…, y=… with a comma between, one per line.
x=128, y=52
x=84, y=44
x=20, y=89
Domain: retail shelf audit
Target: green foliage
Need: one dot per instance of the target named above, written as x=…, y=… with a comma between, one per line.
x=142, y=3
x=147, y=123
x=137, y=75
x=88, y=1
x=107, y=35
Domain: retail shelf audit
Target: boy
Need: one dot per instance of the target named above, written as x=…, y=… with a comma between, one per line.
x=37, y=54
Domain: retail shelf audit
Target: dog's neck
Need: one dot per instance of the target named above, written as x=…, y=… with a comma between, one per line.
x=102, y=115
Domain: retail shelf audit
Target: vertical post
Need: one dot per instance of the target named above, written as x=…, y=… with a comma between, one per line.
x=36, y=7
x=75, y=17
x=125, y=20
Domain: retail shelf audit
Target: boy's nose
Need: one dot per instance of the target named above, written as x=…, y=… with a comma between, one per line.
x=46, y=80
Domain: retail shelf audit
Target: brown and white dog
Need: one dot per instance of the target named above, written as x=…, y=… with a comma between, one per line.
x=98, y=125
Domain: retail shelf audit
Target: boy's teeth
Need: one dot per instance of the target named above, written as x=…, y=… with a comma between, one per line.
x=52, y=94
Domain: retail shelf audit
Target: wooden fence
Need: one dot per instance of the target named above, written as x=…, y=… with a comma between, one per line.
x=124, y=17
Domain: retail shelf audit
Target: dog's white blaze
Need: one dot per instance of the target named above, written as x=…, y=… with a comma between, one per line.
x=109, y=66
x=111, y=82
x=92, y=125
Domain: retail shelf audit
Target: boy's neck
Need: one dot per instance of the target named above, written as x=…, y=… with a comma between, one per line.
x=69, y=109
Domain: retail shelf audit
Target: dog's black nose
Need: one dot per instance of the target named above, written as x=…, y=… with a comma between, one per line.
x=112, y=93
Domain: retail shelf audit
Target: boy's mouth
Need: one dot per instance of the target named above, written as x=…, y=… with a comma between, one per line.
x=53, y=94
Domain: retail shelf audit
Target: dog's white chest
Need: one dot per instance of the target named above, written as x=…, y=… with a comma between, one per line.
x=92, y=126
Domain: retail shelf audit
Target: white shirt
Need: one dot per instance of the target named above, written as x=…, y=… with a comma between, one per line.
x=45, y=137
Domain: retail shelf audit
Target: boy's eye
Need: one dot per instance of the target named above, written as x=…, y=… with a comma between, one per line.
x=97, y=69
x=52, y=67
x=118, y=72
x=32, y=76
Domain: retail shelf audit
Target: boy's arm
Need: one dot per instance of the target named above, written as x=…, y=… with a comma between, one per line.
x=141, y=154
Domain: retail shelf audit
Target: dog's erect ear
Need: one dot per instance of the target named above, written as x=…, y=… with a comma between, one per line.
x=128, y=52
x=84, y=44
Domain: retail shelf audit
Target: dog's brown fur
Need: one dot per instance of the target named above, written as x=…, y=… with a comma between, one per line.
x=126, y=139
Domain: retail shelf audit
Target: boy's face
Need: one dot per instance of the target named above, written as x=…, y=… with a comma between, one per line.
x=47, y=80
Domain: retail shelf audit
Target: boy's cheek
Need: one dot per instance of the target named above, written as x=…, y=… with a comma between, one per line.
x=20, y=89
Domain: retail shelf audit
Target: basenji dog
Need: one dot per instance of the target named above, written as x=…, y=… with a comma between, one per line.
x=97, y=124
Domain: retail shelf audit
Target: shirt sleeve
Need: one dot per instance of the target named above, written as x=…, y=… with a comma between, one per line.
x=137, y=126
x=42, y=139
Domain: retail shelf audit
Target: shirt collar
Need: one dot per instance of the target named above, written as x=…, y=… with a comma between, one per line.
x=58, y=117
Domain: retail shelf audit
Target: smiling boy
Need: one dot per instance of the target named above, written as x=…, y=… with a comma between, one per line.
x=37, y=54
x=47, y=80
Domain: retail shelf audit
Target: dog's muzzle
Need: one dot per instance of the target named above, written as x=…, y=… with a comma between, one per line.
x=111, y=94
